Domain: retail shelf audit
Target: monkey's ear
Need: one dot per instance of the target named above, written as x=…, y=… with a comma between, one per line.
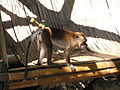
x=76, y=36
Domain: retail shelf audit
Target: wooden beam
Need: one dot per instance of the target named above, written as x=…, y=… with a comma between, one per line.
x=3, y=59
x=3, y=53
x=40, y=75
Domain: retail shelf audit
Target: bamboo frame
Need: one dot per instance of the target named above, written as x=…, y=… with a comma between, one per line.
x=2, y=42
x=3, y=55
x=40, y=75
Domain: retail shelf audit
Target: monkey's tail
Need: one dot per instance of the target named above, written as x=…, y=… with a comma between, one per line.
x=32, y=38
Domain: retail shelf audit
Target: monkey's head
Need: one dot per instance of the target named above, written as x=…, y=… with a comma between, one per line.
x=81, y=40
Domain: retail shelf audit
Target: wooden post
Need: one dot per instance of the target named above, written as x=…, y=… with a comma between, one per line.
x=3, y=60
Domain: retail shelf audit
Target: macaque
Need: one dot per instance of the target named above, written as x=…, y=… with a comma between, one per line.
x=63, y=38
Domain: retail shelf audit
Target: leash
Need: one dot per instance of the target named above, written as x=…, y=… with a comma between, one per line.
x=41, y=25
x=44, y=27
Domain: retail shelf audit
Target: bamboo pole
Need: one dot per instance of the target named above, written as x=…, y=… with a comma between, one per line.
x=42, y=75
x=3, y=53
x=3, y=60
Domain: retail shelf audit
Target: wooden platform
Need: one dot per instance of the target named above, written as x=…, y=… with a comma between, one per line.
x=86, y=67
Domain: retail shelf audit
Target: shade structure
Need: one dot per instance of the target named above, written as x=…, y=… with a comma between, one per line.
x=98, y=19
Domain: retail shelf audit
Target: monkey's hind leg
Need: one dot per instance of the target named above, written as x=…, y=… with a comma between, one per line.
x=49, y=52
x=41, y=54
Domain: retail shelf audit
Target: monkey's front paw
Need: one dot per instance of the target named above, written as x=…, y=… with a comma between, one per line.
x=72, y=68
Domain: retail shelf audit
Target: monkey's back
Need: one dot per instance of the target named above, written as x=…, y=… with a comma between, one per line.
x=61, y=37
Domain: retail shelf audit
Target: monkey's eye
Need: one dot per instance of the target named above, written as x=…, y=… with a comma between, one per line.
x=76, y=37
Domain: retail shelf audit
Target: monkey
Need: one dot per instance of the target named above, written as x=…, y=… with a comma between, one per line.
x=63, y=38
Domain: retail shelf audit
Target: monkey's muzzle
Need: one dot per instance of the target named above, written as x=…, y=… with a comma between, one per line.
x=83, y=46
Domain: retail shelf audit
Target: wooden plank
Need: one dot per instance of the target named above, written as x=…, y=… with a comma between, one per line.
x=40, y=75
x=3, y=77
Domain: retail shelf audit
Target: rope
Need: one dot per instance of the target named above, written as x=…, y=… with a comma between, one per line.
x=41, y=25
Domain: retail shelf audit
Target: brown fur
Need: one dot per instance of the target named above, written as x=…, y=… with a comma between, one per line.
x=65, y=39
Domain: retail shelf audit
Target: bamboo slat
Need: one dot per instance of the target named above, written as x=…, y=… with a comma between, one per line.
x=41, y=75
